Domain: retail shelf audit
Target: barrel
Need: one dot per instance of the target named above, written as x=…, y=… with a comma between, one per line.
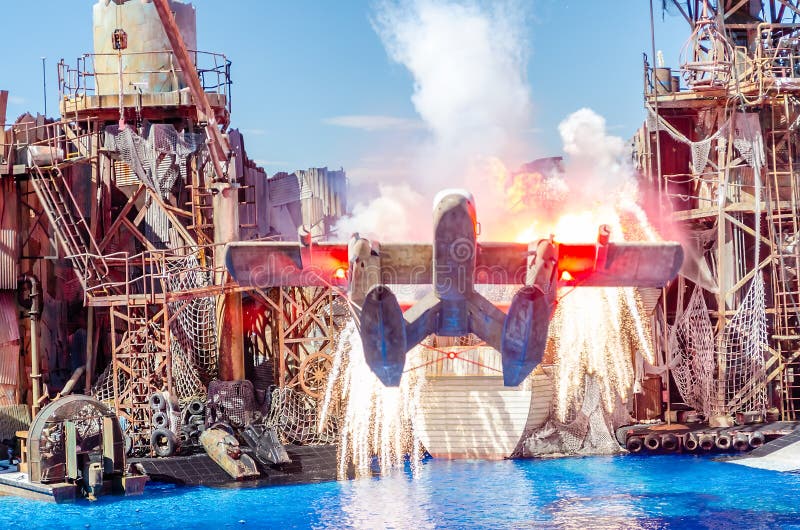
x=663, y=80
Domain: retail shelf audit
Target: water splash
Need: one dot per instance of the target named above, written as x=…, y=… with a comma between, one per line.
x=376, y=422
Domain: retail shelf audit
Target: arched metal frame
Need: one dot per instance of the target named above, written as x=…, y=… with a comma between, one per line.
x=47, y=439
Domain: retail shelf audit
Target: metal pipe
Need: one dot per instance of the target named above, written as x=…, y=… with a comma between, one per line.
x=741, y=442
x=33, y=313
x=76, y=375
x=756, y=440
x=706, y=442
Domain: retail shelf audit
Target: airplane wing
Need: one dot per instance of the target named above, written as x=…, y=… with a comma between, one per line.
x=270, y=263
x=619, y=264
x=587, y=265
x=265, y=264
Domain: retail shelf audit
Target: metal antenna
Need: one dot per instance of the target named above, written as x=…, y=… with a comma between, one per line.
x=44, y=85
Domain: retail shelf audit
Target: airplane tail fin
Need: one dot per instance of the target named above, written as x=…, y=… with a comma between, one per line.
x=387, y=333
x=525, y=333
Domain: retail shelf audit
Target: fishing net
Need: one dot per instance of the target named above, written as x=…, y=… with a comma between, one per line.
x=297, y=419
x=744, y=340
x=232, y=402
x=593, y=372
x=691, y=344
x=589, y=432
x=195, y=323
x=700, y=150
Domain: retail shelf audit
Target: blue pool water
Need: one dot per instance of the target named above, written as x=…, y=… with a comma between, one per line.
x=599, y=492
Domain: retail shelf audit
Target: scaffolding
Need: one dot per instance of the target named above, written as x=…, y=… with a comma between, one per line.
x=722, y=151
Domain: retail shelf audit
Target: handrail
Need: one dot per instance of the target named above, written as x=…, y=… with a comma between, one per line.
x=79, y=81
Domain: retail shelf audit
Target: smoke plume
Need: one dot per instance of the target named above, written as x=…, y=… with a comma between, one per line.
x=471, y=92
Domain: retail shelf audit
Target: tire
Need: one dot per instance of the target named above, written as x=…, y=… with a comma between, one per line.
x=197, y=408
x=163, y=442
x=161, y=420
x=157, y=401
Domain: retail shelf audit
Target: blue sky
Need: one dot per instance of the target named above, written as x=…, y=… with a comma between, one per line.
x=302, y=70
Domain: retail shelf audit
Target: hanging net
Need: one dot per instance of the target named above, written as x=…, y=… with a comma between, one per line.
x=297, y=419
x=593, y=372
x=744, y=339
x=195, y=326
x=691, y=344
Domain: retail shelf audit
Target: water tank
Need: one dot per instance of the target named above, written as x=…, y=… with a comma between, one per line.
x=147, y=62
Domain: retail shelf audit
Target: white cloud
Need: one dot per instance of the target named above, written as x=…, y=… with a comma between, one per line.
x=374, y=122
x=255, y=132
x=17, y=100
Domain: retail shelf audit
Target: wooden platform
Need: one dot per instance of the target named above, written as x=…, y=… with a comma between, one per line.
x=310, y=464
x=17, y=484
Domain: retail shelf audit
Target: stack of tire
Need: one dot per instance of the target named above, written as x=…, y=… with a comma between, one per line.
x=164, y=438
x=194, y=418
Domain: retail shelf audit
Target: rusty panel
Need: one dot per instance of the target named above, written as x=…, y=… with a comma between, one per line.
x=8, y=258
x=9, y=327
x=124, y=174
x=9, y=364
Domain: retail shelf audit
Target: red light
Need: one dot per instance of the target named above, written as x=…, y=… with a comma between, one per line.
x=451, y=355
x=339, y=273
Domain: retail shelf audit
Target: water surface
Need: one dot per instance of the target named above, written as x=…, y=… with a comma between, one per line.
x=670, y=491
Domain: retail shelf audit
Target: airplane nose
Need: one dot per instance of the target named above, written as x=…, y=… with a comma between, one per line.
x=452, y=197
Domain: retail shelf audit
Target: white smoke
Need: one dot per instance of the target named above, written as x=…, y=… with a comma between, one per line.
x=595, y=165
x=471, y=92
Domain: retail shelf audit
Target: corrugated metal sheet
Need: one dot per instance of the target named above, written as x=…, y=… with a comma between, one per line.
x=9, y=327
x=124, y=173
x=9, y=364
x=14, y=418
x=8, y=258
x=284, y=189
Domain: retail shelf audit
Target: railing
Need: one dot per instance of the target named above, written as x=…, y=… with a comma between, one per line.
x=774, y=58
x=102, y=69
x=55, y=142
x=146, y=275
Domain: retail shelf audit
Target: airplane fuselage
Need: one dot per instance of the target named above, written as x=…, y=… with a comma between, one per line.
x=454, y=255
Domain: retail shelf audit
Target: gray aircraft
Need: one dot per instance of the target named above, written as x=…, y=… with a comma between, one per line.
x=453, y=265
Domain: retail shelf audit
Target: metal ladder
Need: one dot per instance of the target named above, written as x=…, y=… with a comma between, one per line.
x=784, y=233
x=69, y=226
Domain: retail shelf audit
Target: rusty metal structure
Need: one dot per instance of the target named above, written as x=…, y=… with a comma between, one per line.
x=120, y=208
x=721, y=145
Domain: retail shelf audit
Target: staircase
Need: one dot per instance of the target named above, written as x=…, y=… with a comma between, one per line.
x=70, y=228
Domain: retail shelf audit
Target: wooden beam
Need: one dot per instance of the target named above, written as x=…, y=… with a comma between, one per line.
x=729, y=11
x=112, y=230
